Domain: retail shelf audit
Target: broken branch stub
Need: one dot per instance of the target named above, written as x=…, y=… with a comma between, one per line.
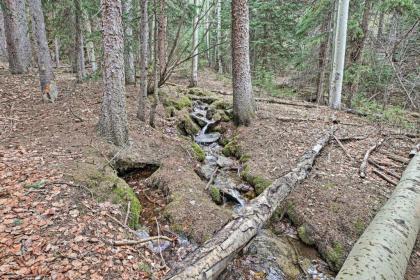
x=208, y=261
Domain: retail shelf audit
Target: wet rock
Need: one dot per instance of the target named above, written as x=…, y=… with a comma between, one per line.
x=244, y=188
x=225, y=162
x=199, y=118
x=205, y=171
x=154, y=246
x=207, y=138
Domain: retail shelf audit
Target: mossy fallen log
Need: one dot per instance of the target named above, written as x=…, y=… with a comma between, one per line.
x=208, y=261
x=383, y=250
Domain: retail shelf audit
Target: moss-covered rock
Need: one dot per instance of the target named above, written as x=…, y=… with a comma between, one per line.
x=335, y=256
x=198, y=151
x=305, y=234
x=187, y=126
x=105, y=185
x=221, y=104
x=232, y=149
x=258, y=182
x=176, y=100
x=216, y=195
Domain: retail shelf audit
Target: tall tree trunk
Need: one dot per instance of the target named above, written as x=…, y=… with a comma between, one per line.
x=113, y=120
x=57, y=51
x=130, y=72
x=79, y=47
x=3, y=44
x=322, y=58
x=90, y=47
x=379, y=35
x=152, y=38
x=194, y=64
x=219, y=36
x=17, y=36
x=155, y=74
x=207, y=31
x=384, y=248
x=46, y=75
x=356, y=50
x=162, y=21
x=336, y=83
x=243, y=102
x=144, y=55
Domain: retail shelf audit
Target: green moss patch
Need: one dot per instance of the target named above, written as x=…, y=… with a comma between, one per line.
x=107, y=186
x=335, y=256
x=198, y=151
x=216, y=195
x=258, y=182
x=187, y=126
x=305, y=234
x=232, y=149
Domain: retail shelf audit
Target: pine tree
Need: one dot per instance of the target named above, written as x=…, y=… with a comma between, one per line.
x=113, y=120
x=144, y=55
x=130, y=73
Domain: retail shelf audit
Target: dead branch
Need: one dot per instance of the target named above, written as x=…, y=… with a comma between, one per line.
x=383, y=169
x=284, y=102
x=136, y=242
x=353, y=138
x=342, y=147
x=212, y=178
x=363, y=166
x=383, y=176
x=128, y=212
x=397, y=158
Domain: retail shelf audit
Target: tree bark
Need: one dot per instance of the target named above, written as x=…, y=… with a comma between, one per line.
x=384, y=248
x=208, y=261
x=130, y=72
x=219, y=36
x=17, y=36
x=194, y=61
x=243, y=102
x=46, y=75
x=113, y=120
x=90, y=47
x=156, y=71
x=57, y=51
x=162, y=22
x=336, y=83
x=3, y=44
x=207, y=30
x=322, y=58
x=79, y=47
x=144, y=55
x=356, y=50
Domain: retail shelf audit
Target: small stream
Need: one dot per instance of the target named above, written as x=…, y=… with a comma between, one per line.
x=275, y=254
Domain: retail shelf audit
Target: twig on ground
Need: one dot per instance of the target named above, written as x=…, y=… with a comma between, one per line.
x=342, y=147
x=136, y=242
x=158, y=240
x=128, y=212
x=397, y=158
x=383, y=176
x=284, y=102
x=151, y=200
x=383, y=169
x=353, y=138
x=211, y=178
x=363, y=166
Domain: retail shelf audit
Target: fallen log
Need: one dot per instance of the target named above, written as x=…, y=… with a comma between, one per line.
x=208, y=261
x=383, y=250
x=284, y=102
x=362, y=171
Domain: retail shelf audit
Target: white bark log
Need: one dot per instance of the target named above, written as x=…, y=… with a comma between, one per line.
x=46, y=75
x=336, y=82
x=208, y=261
x=383, y=250
x=194, y=64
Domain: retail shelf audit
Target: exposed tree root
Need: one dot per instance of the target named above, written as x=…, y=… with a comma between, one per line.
x=208, y=261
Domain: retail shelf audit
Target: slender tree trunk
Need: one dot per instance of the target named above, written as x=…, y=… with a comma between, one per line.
x=322, y=59
x=130, y=72
x=207, y=30
x=336, y=83
x=144, y=55
x=90, y=48
x=384, y=248
x=17, y=36
x=79, y=47
x=46, y=75
x=356, y=50
x=152, y=38
x=243, y=102
x=113, y=120
x=194, y=64
x=379, y=35
x=3, y=44
x=57, y=51
x=156, y=75
x=162, y=37
x=219, y=36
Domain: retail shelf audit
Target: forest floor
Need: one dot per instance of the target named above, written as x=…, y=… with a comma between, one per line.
x=51, y=226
